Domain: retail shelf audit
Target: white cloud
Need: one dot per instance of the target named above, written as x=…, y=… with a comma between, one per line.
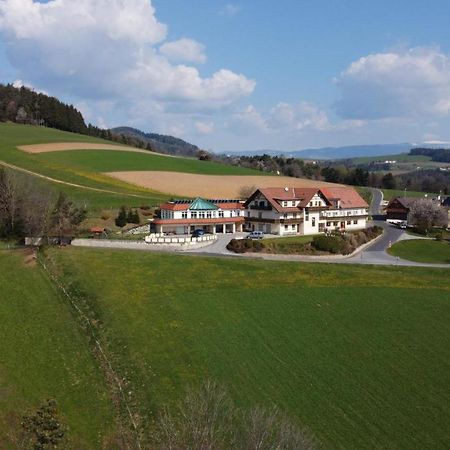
x=397, y=84
x=298, y=117
x=184, y=50
x=230, y=10
x=204, y=127
x=98, y=49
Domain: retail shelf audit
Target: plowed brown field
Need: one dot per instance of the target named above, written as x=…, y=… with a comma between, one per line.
x=62, y=146
x=209, y=186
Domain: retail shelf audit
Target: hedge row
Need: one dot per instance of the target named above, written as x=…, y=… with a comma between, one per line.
x=345, y=244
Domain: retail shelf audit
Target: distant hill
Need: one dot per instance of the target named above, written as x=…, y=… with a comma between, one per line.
x=160, y=142
x=351, y=151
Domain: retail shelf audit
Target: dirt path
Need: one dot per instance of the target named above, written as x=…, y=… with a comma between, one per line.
x=209, y=186
x=66, y=183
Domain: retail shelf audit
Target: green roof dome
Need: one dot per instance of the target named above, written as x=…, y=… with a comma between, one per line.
x=202, y=204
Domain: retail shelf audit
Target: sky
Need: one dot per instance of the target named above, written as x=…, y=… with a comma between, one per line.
x=242, y=75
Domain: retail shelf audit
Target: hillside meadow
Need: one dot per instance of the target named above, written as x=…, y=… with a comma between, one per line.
x=86, y=167
x=357, y=354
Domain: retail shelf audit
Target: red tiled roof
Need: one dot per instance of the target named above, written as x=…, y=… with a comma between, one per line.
x=348, y=196
x=182, y=222
x=97, y=230
x=281, y=194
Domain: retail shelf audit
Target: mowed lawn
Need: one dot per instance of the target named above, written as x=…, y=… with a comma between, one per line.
x=43, y=355
x=423, y=250
x=357, y=354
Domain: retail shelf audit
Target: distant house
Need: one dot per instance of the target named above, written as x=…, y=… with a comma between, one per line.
x=211, y=216
x=398, y=208
x=301, y=211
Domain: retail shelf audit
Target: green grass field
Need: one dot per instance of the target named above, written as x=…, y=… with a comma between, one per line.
x=357, y=354
x=44, y=355
x=85, y=167
x=389, y=194
x=422, y=250
x=287, y=245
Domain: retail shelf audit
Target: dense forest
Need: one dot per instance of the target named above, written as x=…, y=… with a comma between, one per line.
x=164, y=143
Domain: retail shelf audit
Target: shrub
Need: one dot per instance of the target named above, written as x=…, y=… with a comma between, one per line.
x=121, y=219
x=331, y=244
x=245, y=245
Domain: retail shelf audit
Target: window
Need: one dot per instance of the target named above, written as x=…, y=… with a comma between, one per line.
x=286, y=227
x=306, y=216
x=201, y=215
x=260, y=215
x=193, y=214
x=285, y=203
x=209, y=215
x=349, y=222
x=335, y=224
x=293, y=203
x=221, y=214
x=293, y=227
x=328, y=224
x=285, y=215
x=355, y=222
x=313, y=221
x=238, y=212
x=184, y=215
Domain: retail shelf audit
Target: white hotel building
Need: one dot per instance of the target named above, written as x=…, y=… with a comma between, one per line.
x=290, y=211
x=212, y=216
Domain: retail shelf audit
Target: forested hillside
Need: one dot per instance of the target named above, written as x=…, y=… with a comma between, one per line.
x=165, y=143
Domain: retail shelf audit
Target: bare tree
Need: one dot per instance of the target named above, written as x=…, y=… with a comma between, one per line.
x=267, y=430
x=246, y=191
x=426, y=213
x=206, y=419
x=201, y=421
x=10, y=205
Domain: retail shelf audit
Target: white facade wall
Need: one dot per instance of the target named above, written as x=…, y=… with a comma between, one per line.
x=207, y=214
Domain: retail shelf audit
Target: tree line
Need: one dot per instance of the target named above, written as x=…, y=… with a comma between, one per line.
x=28, y=210
x=436, y=154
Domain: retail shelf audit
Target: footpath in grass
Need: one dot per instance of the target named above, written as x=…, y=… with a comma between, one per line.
x=43, y=355
x=422, y=250
x=357, y=354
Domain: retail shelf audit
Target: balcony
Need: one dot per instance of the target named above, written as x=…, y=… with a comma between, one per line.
x=261, y=208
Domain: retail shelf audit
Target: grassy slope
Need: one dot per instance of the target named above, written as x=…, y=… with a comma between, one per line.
x=389, y=194
x=85, y=167
x=113, y=161
x=44, y=356
x=357, y=353
x=422, y=250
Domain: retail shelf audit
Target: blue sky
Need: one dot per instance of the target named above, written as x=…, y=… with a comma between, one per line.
x=240, y=75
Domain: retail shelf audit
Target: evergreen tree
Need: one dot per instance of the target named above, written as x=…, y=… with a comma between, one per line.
x=121, y=219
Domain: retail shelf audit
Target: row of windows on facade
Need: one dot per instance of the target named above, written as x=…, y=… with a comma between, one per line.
x=286, y=203
x=199, y=214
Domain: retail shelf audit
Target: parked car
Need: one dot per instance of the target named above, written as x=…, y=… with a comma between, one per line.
x=403, y=225
x=255, y=235
x=198, y=233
